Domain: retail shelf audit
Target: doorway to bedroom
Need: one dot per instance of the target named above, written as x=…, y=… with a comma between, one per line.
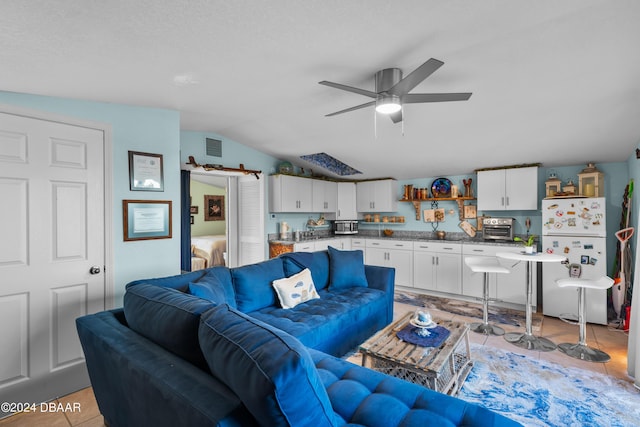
x=226, y=216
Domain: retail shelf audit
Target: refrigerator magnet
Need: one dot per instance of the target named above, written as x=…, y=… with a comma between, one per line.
x=593, y=261
x=588, y=246
x=584, y=259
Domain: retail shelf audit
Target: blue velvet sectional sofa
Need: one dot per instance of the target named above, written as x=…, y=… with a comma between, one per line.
x=217, y=348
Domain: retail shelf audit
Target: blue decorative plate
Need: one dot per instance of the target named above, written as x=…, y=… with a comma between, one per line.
x=441, y=187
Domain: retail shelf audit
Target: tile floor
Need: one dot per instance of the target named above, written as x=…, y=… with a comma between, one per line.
x=613, y=341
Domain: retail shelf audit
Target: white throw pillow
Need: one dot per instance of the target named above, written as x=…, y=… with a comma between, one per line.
x=296, y=289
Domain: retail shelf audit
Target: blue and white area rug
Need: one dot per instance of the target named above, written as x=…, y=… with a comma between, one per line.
x=540, y=393
x=497, y=314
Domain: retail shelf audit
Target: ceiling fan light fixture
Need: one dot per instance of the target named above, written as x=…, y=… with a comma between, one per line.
x=388, y=104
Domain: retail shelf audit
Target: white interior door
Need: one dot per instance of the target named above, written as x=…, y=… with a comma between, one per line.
x=52, y=228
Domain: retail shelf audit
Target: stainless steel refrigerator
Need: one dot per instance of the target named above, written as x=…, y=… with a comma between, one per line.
x=575, y=228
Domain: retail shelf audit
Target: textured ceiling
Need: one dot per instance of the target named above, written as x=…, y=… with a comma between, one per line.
x=556, y=82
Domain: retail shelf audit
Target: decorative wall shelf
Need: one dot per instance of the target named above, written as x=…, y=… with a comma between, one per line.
x=417, y=203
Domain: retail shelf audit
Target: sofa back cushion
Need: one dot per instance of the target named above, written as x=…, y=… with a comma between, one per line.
x=167, y=317
x=346, y=269
x=215, y=286
x=317, y=262
x=252, y=284
x=271, y=371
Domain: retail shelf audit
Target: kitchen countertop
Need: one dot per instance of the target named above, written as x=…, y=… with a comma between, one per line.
x=467, y=240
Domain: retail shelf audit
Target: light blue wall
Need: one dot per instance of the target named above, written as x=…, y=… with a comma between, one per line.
x=138, y=129
x=158, y=131
x=233, y=155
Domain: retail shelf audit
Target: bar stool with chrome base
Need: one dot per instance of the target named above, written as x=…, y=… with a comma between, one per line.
x=485, y=265
x=581, y=350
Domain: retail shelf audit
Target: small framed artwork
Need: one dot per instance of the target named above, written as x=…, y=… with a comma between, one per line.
x=193, y=210
x=214, y=208
x=470, y=212
x=145, y=172
x=429, y=215
x=146, y=219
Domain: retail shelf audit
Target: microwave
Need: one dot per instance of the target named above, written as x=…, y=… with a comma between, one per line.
x=345, y=227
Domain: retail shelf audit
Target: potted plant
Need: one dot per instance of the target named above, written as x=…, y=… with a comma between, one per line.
x=528, y=243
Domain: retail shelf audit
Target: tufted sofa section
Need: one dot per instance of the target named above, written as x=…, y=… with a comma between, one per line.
x=358, y=394
x=169, y=358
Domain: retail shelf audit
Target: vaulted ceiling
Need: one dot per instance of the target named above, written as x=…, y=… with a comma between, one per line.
x=553, y=81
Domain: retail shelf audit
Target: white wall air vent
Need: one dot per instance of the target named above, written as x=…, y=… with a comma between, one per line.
x=214, y=147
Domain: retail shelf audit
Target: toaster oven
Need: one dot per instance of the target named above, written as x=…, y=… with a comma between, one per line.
x=497, y=228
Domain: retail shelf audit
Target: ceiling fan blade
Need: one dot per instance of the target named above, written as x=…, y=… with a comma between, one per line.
x=357, y=107
x=415, y=77
x=414, y=98
x=396, y=117
x=349, y=89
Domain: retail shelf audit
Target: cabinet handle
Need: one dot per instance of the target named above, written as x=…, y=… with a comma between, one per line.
x=448, y=249
x=478, y=250
x=437, y=260
x=375, y=244
x=502, y=202
x=507, y=200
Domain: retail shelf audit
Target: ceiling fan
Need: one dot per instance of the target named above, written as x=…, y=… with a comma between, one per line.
x=392, y=91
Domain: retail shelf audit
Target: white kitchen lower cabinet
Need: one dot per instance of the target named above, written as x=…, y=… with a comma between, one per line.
x=397, y=254
x=340, y=243
x=510, y=288
x=437, y=266
x=304, y=247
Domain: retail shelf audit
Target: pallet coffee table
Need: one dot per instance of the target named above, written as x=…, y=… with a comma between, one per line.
x=442, y=368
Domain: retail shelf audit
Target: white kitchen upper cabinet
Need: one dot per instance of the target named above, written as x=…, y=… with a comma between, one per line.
x=290, y=194
x=377, y=196
x=324, y=196
x=508, y=189
x=347, y=201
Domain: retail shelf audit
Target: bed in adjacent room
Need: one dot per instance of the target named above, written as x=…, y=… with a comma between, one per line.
x=208, y=251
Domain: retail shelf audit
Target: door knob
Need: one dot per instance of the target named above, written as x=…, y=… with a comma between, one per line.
x=94, y=270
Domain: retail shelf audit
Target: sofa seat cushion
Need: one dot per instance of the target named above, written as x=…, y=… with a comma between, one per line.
x=167, y=317
x=317, y=262
x=267, y=368
x=360, y=396
x=322, y=323
x=252, y=284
